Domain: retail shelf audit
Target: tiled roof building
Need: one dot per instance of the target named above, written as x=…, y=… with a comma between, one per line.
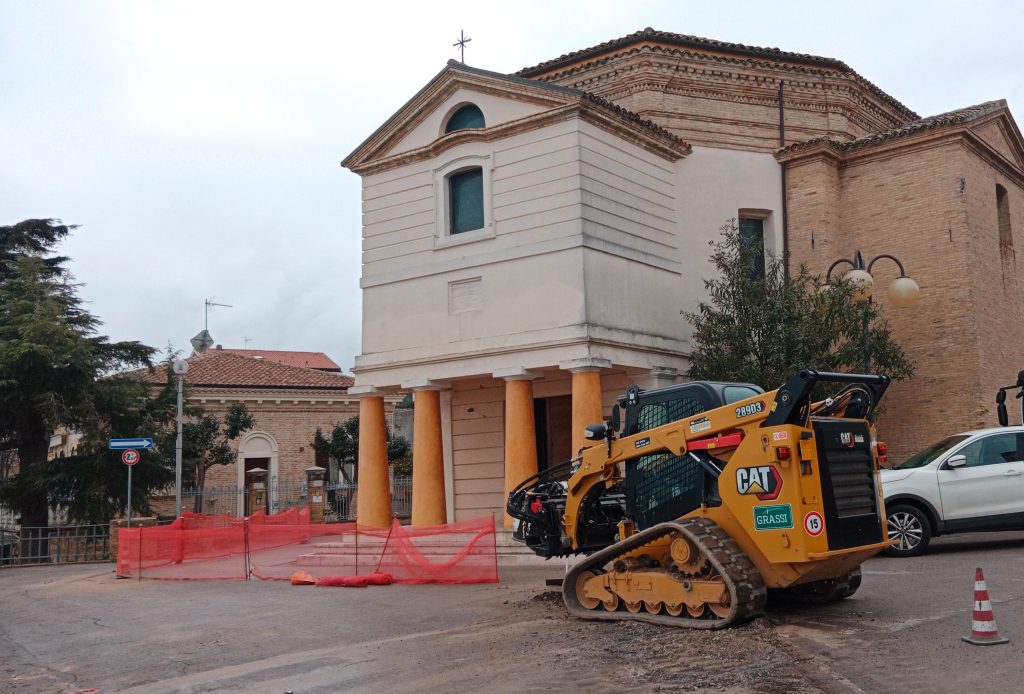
x=288, y=402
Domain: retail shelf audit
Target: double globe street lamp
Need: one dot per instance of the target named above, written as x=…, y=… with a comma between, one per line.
x=902, y=292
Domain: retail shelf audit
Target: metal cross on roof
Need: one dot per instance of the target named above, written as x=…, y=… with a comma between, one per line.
x=461, y=43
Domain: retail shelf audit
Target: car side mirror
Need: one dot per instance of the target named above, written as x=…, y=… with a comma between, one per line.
x=616, y=418
x=955, y=461
x=1000, y=407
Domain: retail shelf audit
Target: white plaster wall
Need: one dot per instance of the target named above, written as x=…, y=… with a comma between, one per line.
x=496, y=110
x=592, y=248
x=714, y=186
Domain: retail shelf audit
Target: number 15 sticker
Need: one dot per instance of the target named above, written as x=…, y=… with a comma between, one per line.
x=813, y=523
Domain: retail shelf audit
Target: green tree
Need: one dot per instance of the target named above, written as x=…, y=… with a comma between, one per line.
x=762, y=329
x=342, y=448
x=52, y=363
x=205, y=442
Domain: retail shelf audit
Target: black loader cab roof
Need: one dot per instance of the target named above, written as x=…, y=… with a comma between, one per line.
x=679, y=401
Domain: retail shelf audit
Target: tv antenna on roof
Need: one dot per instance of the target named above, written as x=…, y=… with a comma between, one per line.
x=246, y=341
x=206, y=312
x=461, y=43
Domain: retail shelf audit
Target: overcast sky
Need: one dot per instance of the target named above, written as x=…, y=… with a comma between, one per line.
x=198, y=143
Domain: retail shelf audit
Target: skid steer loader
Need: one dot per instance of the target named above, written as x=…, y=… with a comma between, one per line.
x=711, y=495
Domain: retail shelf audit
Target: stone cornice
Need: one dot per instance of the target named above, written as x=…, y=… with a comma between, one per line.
x=589, y=340
x=664, y=144
x=419, y=107
x=820, y=149
x=793, y=73
x=844, y=155
x=646, y=69
x=560, y=103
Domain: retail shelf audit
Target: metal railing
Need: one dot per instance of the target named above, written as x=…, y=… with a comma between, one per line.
x=285, y=494
x=66, y=544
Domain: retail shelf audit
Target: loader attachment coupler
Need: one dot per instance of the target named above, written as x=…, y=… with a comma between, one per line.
x=794, y=397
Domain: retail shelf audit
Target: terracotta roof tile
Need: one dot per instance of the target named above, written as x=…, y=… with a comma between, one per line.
x=308, y=360
x=685, y=40
x=224, y=369
x=956, y=117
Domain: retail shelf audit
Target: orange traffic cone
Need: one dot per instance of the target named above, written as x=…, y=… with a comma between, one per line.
x=983, y=624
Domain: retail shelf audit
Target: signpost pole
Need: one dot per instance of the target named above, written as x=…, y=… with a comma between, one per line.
x=180, y=368
x=130, y=495
x=177, y=457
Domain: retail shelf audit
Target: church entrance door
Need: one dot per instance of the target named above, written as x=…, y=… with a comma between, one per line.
x=553, y=422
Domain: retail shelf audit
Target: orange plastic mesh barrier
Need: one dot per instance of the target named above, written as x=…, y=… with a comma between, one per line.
x=462, y=552
x=202, y=547
x=174, y=552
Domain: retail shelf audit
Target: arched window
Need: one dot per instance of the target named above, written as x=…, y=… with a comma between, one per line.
x=466, y=200
x=469, y=116
x=1003, y=215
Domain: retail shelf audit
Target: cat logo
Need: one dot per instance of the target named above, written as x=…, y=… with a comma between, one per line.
x=763, y=481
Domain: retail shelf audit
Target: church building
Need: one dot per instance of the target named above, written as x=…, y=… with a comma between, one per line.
x=530, y=242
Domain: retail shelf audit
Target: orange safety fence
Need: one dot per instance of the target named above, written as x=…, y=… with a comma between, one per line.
x=200, y=547
x=462, y=552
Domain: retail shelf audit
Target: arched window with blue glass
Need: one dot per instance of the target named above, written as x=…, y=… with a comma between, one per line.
x=469, y=116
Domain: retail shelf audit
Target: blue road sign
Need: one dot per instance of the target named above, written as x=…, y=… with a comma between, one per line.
x=122, y=444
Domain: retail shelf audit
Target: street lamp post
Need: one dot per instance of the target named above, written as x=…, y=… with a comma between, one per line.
x=180, y=368
x=903, y=291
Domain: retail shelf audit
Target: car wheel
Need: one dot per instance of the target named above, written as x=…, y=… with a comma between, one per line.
x=910, y=527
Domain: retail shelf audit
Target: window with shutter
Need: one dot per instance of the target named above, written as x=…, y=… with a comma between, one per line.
x=466, y=200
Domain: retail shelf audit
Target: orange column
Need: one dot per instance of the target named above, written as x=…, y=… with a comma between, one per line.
x=586, y=404
x=520, y=436
x=428, y=502
x=373, y=506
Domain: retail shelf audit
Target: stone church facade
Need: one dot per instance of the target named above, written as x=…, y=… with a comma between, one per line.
x=531, y=240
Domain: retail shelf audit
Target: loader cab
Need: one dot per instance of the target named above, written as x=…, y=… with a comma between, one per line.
x=646, y=409
x=661, y=486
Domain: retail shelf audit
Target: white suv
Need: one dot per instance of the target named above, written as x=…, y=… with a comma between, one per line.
x=965, y=483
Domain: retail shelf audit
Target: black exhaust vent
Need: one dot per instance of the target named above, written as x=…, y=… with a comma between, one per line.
x=847, y=483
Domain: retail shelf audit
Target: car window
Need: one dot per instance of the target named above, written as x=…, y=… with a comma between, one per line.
x=991, y=450
x=931, y=453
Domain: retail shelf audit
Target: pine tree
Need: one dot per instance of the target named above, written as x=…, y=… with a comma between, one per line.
x=52, y=364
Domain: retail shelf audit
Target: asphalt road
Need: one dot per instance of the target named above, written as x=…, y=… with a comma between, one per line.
x=77, y=629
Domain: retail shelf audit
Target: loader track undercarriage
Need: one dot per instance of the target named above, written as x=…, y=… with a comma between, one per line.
x=686, y=573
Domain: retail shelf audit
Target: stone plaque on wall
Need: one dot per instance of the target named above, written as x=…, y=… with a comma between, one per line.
x=464, y=296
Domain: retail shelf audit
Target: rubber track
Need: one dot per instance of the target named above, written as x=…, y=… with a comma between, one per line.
x=742, y=579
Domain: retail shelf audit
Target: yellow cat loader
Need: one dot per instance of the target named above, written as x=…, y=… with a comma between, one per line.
x=712, y=495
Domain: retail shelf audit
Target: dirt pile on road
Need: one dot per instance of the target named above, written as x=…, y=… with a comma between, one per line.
x=647, y=657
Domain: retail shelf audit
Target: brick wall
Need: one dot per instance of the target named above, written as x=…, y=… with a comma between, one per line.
x=731, y=102
x=961, y=334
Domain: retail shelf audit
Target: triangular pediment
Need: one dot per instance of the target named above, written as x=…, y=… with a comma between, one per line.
x=420, y=122
x=1001, y=134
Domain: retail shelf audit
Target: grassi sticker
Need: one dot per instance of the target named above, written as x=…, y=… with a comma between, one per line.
x=777, y=517
x=813, y=523
x=763, y=481
x=698, y=425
